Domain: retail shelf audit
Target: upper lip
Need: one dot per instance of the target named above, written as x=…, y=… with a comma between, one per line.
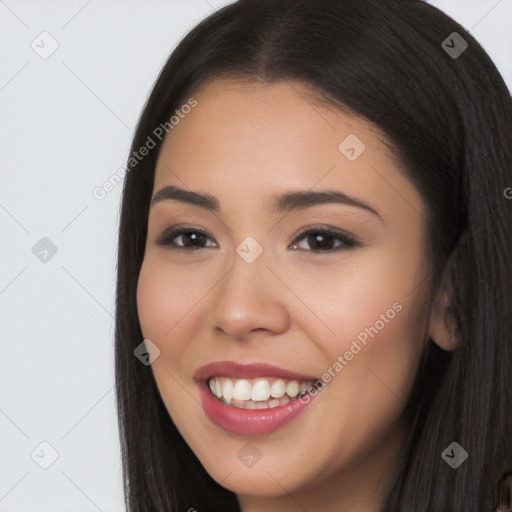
x=248, y=371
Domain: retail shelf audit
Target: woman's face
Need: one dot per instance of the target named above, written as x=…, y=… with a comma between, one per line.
x=244, y=287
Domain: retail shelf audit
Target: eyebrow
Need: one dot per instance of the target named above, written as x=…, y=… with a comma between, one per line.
x=283, y=203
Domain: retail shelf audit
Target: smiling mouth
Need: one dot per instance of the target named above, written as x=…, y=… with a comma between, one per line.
x=257, y=393
x=253, y=399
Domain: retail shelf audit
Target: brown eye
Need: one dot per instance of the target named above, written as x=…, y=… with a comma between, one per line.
x=184, y=238
x=325, y=240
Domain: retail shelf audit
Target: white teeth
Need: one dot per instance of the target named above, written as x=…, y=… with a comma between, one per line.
x=227, y=389
x=218, y=388
x=250, y=404
x=278, y=389
x=242, y=390
x=260, y=391
x=256, y=393
x=292, y=388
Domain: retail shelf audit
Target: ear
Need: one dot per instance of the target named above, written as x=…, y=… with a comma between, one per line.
x=442, y=328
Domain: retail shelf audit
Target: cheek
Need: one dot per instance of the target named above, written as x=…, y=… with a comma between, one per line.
x=380, y=359
x=167, y=297
x=167, y=316
x=369, y=384
x=153, y=300
x=379, y=322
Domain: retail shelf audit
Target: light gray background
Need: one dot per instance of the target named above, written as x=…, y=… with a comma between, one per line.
x=66, y=126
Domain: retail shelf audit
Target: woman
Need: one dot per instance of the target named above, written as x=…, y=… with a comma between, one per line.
x=315, y=245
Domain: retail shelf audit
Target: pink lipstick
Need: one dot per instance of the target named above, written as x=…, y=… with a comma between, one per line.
x=252, y=399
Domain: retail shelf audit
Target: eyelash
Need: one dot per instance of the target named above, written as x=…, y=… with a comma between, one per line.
x=348, y=241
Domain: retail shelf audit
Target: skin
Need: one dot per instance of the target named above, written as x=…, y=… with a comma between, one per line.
x=294, y=308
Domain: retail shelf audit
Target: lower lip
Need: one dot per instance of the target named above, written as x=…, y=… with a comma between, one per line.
x=249, y=422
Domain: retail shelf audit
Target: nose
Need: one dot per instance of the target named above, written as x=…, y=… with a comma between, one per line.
x=249, y=299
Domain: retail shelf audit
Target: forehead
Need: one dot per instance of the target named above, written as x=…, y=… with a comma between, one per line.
x=262, y=138
x=258, y=111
